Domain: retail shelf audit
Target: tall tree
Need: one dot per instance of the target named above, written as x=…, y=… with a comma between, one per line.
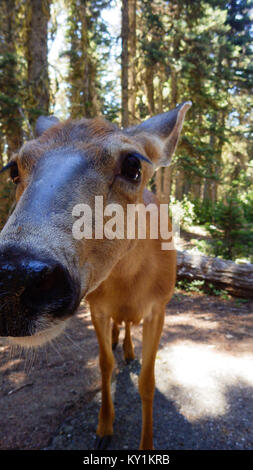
x=88, y=39
x=132, y=65
x=38, y=94
x=124, y=64
x=152, y=52
x=10, y=80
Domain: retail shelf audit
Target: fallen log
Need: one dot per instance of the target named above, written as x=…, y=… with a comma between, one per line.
x=236, y=279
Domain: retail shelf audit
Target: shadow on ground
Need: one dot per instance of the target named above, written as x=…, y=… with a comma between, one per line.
x=204, y=384
x=232, y=430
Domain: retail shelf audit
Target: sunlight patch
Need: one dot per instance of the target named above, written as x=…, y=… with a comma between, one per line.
x=199, y=378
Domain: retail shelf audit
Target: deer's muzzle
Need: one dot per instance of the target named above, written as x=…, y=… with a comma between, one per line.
x=33, y=288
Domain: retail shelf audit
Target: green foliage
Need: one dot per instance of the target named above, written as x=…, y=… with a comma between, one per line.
x=201, y=286
x=246, y=200
x=185, y=50
x=206, y=247
x=229, y=222
x=191, y=286
x=228, y=214
x=203, y=211
x=183, y=210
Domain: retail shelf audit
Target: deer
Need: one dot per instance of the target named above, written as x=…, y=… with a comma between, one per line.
x=45, y=271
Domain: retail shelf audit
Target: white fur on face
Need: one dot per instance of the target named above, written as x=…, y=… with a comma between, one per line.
x=45, y=334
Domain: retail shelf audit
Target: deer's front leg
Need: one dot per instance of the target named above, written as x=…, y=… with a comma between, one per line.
x=152, y=329
x=102, y=325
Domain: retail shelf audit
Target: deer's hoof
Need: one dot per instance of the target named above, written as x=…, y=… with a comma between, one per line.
x=102, y=443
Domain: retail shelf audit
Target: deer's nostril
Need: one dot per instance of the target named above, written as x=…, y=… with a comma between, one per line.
x=45, y=284
x=50, y=280
x=52, y=289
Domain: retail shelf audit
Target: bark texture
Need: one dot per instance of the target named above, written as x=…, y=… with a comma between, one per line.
x=124, y=64
x=38, y=14
x=237, y=279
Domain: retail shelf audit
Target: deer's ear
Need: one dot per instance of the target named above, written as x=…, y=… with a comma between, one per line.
x=44, y=123
x=162, y=133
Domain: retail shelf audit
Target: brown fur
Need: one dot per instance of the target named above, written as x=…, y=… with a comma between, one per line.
x=138, y=288
x=125, y=280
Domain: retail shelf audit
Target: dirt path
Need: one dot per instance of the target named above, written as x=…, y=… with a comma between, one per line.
x=204, y=384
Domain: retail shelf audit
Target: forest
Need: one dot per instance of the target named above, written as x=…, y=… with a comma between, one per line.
x=129, y=60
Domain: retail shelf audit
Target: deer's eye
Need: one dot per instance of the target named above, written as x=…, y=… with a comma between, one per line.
x=14, y=173
x=131, y=167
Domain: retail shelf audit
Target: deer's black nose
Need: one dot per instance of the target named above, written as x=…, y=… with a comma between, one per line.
x=31, y=286
x=34, y=282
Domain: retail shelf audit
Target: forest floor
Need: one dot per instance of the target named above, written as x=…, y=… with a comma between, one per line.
x=204, y=383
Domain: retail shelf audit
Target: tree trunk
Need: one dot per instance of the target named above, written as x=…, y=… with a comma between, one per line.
x=236, y=279
x=84, y=82
x=179, y=190
x=174, y=91
x=162, y=79
x=132, y=61
x=83, y=95
x=38, y=14
x=163, y=175
x=9, y=82
x=180, y=174
x=196, y=188
x=163, y=184
x=124, y=64
x=209, y=182
x=149, y=85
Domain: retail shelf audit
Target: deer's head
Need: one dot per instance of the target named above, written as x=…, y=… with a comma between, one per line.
x=44, y=270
